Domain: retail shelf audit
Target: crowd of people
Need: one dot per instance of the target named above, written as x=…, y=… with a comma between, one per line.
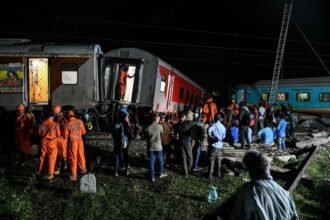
x=194, y=138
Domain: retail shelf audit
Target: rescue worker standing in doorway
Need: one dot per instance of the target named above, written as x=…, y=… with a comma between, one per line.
x=122, y=82
x=209, y=111
x=73, y=131
x=22, y=133
x=49, y=131
x=61, y=141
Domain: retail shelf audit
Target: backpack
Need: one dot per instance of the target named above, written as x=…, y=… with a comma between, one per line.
x=251, y=118
x=124, y=139
x=248, y=118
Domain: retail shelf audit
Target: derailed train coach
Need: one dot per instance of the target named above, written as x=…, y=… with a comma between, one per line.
x=81, y=77
x=156, y=85
x=305, y=95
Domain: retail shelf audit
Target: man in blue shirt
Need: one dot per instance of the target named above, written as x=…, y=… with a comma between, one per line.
x=281, y=133
x=266, y=135
x=217, y=132
x=262, y=198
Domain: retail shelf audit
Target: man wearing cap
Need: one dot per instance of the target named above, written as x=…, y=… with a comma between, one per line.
x=22, y=132
x=73, y=131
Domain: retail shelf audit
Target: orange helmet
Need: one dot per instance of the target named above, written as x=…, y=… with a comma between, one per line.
x=56, y=109
x=20, y=107
x=70, y=113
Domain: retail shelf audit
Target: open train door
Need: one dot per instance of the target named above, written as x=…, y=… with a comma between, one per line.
x=38, y=75
x=114, y=79
x=170, y=84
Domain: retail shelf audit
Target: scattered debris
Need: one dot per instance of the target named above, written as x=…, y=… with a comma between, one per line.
x=286, y=158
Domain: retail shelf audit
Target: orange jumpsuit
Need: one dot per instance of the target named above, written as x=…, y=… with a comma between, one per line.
x=73, y=130
x=61, y=141
x=49, y=131
x=23, y=125
x=122, y=83
x=209, y=111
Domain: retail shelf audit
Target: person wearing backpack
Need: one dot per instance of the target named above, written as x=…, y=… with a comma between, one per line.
x=244, y=119
x=121, y=139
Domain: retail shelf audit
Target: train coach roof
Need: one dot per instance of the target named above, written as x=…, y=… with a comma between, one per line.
x=300, y=81
x=50, y=50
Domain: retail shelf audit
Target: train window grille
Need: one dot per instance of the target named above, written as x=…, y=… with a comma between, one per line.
x=163, y=83
x=325, y=97
x=303, y=97
x=181, y=93
x=282, y=96
x=69, y=73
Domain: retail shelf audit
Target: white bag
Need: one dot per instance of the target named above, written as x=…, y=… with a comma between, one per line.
x=88, y=184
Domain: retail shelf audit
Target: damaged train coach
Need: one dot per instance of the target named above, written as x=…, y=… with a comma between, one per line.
x=83, y=78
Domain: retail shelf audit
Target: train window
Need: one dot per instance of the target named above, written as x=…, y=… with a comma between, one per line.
x=187, y=95
x=69, y=73
x=181, y=93
x=325, y=97
x=282, y=96
x=303, y=97
x=163, y=83
x=264, y=96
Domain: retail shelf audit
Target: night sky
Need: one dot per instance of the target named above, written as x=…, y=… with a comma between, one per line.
x=232, y=42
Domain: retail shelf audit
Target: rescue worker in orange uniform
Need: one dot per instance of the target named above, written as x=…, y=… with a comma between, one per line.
x=209, y=111
x=73, y=131
x=232, y=112
x=123, y=81
x=61, y=141
x=49, y=131
x=22, y=132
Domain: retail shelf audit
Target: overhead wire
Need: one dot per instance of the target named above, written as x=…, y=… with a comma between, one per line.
x=311, y=46
x=61, y=17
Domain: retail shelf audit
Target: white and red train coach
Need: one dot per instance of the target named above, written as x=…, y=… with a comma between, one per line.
x=156, y=84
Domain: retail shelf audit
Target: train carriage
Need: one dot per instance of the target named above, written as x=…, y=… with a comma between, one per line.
x=43, y=74
x=82, y=77
x=157, y=85
x=307, y=95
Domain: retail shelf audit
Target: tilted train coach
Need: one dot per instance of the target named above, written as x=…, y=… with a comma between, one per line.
x=306, y=95
x=83, y=78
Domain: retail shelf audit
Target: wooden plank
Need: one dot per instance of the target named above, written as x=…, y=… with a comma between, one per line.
x=316, y=141
x=292, y=183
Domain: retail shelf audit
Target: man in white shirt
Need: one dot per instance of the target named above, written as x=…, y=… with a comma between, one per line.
x=217, y=132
